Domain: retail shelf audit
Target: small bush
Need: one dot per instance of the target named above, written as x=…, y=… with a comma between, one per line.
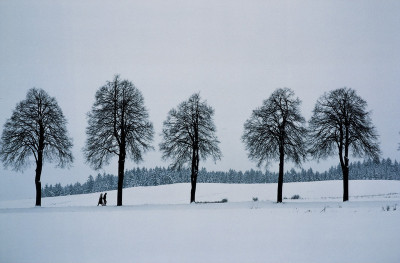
x=295, y=197
x=387, y=208
x=225, y=200
x=255, y=199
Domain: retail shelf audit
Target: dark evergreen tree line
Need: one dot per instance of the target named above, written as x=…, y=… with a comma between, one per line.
x=384, y=169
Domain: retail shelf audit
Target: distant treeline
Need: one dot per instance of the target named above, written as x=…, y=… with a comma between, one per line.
x=366, y=170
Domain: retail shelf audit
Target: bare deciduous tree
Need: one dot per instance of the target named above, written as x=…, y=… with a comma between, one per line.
x=118, y=125
x=339, y=123
x=188, y=135
x=276, y=131
x=37, y=127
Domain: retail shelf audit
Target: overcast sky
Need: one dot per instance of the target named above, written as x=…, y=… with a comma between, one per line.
x=235, y=53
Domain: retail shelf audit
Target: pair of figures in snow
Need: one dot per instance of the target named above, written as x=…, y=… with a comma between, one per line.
x=102, y=199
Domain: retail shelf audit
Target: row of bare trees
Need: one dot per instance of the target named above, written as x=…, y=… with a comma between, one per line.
x=118, y=125
x=340, y=123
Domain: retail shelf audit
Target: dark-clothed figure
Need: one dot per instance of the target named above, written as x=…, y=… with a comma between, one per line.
x=105, y=199
x=100, y=200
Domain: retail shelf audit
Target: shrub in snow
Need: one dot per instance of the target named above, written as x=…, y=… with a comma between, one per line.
x=295, y=197
x=255, y=199
x=387, y=208
x=225, y=200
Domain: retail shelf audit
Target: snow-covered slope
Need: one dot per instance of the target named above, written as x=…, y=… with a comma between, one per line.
x=180, y=193
x=156, y=224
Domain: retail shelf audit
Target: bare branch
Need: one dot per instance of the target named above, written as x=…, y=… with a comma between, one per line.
x=190, y=126
x=334, y=113
x=117, y=123
x=21, y=133
x=277, y=122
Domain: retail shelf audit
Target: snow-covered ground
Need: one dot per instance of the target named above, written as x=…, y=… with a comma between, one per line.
x=156, y=224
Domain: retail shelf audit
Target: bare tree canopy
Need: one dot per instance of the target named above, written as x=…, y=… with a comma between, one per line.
x=340, y=123
x=36, y=128
x=276, y=131
x=118, y=125
x=188, y=135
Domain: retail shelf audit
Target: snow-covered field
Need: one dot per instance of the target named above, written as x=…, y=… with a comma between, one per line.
x=156, y=224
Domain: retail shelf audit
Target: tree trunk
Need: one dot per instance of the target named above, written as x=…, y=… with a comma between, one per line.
x=39, y=166
x=195, y=171
x=345, y=171
x=345, y=167
x=121, y=167
x=195, y=158
x=280, y=178
x=193, y=190
x=344, y=164
x=38, y=184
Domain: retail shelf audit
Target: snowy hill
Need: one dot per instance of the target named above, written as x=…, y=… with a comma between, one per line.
x=156, y=224
x=179, y=193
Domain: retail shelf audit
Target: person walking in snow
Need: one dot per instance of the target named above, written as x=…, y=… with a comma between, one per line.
x=104, y=199
x=100, y=200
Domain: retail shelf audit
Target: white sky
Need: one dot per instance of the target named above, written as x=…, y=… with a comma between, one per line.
x=236, y=53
